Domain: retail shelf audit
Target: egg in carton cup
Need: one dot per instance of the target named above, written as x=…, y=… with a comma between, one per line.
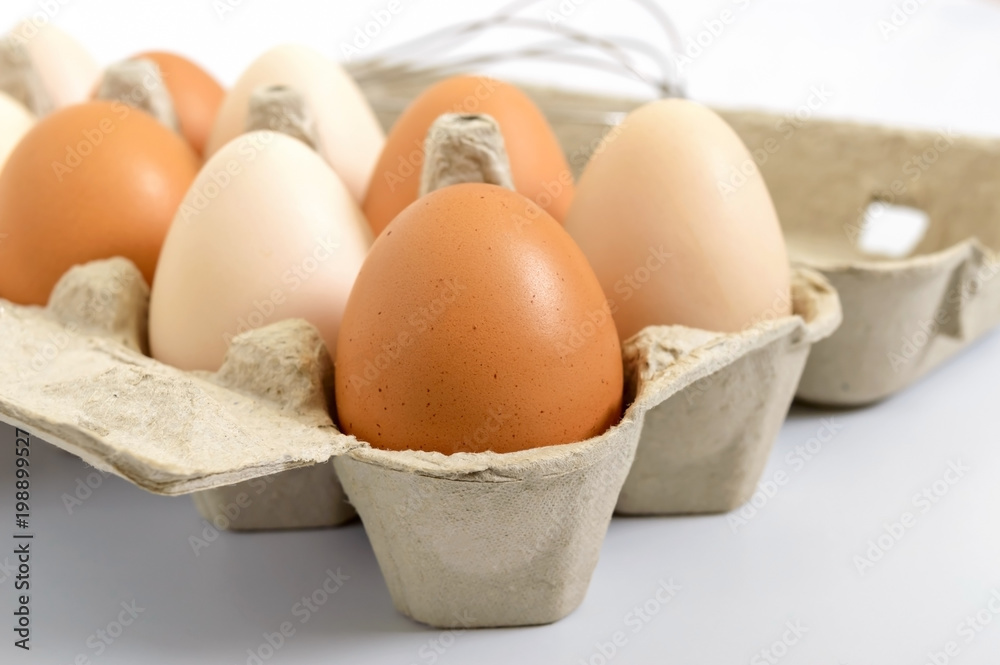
x=902, y=317
x=469, y=539
x=463, y=540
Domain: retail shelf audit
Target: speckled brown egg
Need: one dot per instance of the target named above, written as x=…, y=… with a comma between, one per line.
x=476, y=324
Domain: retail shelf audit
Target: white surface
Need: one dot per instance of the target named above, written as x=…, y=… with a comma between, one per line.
x=792, y=561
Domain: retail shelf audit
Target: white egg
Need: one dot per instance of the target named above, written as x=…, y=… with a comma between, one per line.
x=671, y=240
x=266, y=232
x=350, y=137
x=15, y=121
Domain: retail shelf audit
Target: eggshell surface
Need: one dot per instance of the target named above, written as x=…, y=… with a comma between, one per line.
x=349, y=134
x=267, y=232
x=67, y=71
x=670, y=238
x=476, y=324
x=195, y=94
x=538, y=166
x=89, y=181
x=15, y=121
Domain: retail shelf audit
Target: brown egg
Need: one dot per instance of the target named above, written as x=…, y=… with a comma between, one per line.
x=537, y=162
x=89, y=181
x=669, y=242
x=476, y=324
x=197, y=96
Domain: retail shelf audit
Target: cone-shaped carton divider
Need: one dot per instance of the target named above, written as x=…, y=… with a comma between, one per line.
x=139, y=83
x=280, y=108
x=20, y=79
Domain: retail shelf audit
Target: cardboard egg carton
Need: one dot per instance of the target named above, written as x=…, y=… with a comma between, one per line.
x=471, y=539
x=903, y=316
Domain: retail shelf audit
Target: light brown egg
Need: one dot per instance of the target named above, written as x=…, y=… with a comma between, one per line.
x=670, y=238
x=538, y=166
x=476, y=324
x=349, y=135
x=197, y=96
x=89, y=181
x=266, y=232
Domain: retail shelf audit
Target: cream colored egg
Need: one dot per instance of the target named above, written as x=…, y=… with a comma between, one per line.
x=266, y=232
x=350, y=137
x=15, y=121
x=67, y=71
x=673, y=237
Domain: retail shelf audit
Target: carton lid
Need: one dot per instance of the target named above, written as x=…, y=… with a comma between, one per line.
x=74, y=376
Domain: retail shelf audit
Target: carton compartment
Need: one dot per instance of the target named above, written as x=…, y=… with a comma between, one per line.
x=901, y=316
x=486, y=539
x=704, y=445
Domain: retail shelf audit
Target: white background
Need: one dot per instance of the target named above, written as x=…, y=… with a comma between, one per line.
x=793, y=561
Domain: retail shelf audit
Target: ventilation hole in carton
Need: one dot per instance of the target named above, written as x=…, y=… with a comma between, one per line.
x=890, y=230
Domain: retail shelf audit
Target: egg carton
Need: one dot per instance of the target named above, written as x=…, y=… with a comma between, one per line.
x=902, y=316
x=471, y=539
